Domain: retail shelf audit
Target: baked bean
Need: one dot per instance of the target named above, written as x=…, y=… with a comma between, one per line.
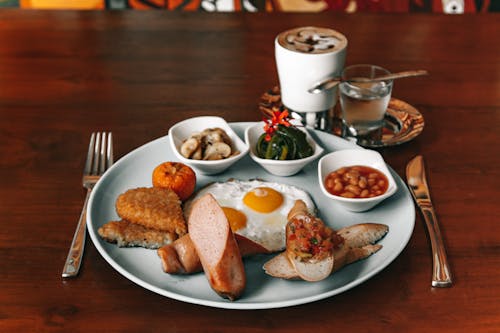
x=353, y=189
x=341, y=171
x=350, y=175
x=348, y=195
x=356, y=181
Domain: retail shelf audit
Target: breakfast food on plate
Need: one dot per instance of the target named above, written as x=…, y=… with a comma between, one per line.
x=281, y=140
x=180, y=257
x=176, y=176
x=310, y=244
x=356, y=181
x=256, y=209
x=127, y=234
x=307, y=258
x=231, y=220
x=209, y=144
x=216, y=246
x=281, y=267
x=152, y=207
x=152, y=217
x=360, y=242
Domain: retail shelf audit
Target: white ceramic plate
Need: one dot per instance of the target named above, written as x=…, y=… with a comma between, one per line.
x=143, y=266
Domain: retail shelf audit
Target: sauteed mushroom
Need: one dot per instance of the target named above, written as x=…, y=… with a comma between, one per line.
x=210, y=144
x=190, y=146
x=217, y=151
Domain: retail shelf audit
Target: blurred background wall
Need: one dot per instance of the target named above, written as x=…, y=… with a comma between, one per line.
x=350, y=6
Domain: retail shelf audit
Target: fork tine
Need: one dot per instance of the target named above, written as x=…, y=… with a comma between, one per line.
x=88, y=161
x=102, y=156
x=110, y=150
x=97, y=149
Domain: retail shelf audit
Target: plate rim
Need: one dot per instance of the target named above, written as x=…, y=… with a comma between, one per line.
x=239, y=305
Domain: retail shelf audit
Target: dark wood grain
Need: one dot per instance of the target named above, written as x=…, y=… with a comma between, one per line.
x=64, y=74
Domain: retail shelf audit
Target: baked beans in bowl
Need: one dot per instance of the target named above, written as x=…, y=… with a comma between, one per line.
x=357, y=179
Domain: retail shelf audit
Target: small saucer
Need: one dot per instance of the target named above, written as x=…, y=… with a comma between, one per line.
x=402, y=122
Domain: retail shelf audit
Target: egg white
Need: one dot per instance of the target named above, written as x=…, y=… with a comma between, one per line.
x=266, y=229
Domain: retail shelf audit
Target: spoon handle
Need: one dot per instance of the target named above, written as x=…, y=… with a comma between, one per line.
x=390, y=76
x=332, y=82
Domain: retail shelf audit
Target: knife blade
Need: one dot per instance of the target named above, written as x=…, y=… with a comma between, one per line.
x=417, y=182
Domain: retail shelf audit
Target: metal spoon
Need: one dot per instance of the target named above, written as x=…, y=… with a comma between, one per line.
x=332, y=82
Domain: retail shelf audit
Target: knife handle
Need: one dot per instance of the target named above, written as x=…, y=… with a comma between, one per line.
x=441, y=274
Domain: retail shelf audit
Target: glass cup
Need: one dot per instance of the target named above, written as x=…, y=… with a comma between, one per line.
x=364, y=103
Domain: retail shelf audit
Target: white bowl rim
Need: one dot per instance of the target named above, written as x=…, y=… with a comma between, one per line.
x=237, y=141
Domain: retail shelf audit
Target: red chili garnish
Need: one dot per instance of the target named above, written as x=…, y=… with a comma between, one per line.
x=271, y=124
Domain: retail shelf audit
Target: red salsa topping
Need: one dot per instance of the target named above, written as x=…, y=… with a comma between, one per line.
x=309, y=238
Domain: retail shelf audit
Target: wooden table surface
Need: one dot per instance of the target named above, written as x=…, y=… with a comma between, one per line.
x=65, y=74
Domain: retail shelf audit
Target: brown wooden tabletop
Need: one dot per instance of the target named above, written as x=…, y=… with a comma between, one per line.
x=64, y=74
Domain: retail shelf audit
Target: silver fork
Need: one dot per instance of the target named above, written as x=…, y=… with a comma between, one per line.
x=99, y=159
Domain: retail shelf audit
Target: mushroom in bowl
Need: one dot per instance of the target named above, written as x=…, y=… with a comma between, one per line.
x=357, y=179
x=207, y=143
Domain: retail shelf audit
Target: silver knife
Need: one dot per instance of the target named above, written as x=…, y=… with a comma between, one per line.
x=417, y=182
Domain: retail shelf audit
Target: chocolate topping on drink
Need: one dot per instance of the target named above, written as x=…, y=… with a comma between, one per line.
x=312, y=40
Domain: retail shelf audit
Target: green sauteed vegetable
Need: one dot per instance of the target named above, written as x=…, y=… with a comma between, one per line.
x=287, y=143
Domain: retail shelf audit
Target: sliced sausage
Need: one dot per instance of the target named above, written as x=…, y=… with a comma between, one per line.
x=217, y=248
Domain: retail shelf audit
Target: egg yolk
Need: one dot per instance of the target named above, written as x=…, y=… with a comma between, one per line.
x=237, y=220
x=263, y=199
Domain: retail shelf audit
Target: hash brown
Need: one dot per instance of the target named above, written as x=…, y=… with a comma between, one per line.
x=152, y=207
x=128, y=234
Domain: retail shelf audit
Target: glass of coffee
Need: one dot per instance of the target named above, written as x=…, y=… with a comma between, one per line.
x=364, y=103
x=306, y=56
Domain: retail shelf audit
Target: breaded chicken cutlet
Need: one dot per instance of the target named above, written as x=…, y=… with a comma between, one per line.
x=128, y=234
x=154, y=208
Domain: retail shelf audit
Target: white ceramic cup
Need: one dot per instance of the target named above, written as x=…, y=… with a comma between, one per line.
x=306, y=56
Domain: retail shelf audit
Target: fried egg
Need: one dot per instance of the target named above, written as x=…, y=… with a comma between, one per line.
x=256, y=209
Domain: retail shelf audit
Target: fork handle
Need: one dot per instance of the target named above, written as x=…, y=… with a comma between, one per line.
x=75, y=254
